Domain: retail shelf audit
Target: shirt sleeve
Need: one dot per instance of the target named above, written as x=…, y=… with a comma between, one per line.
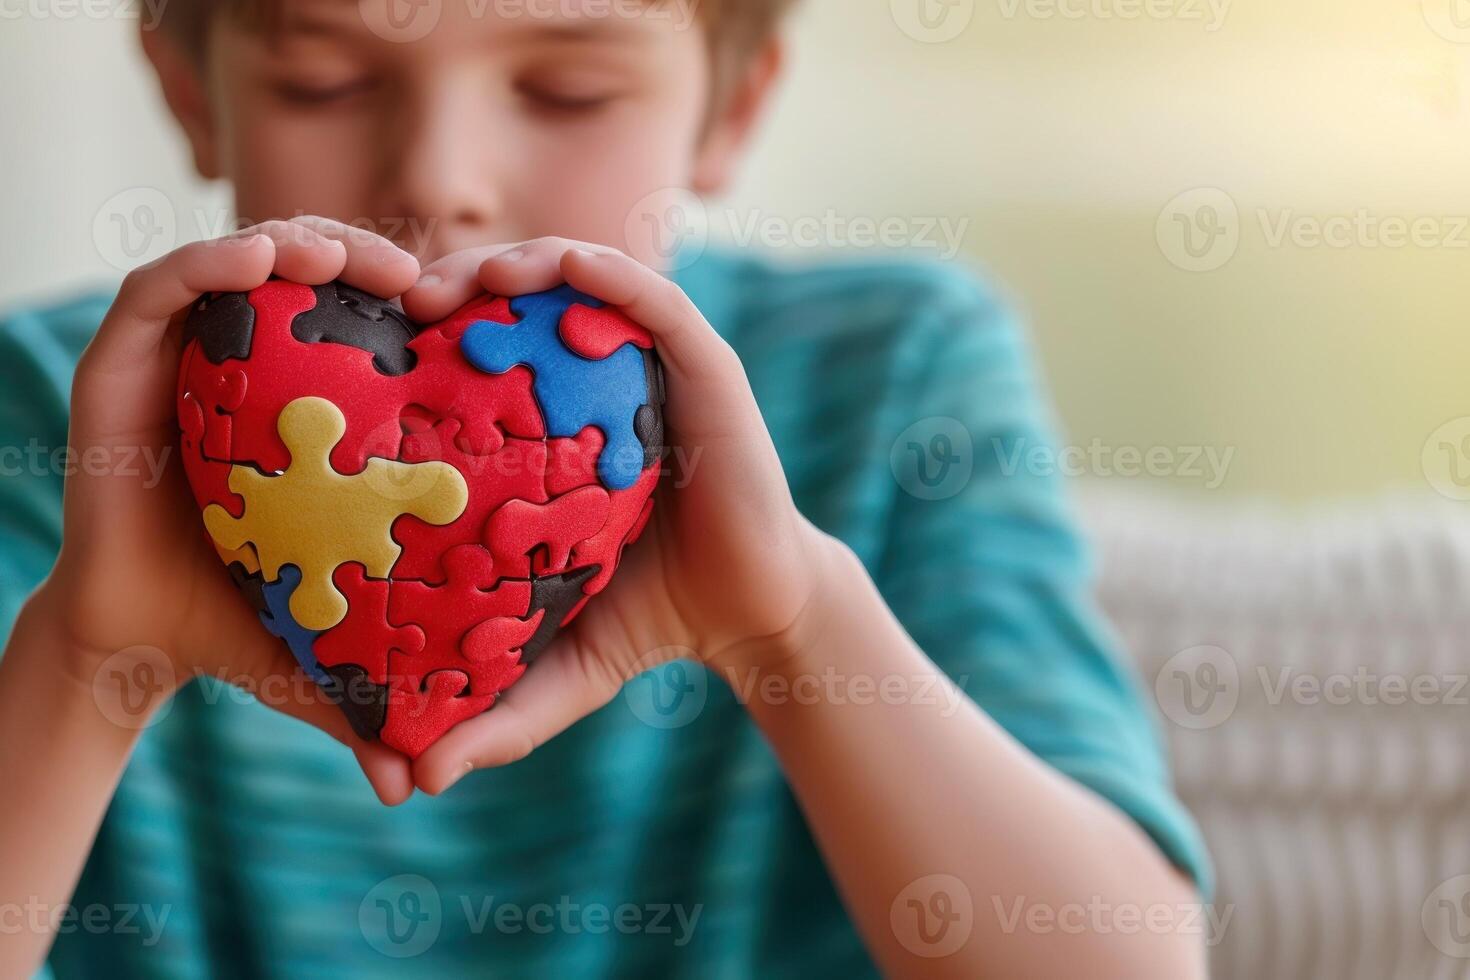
x=38, y=352
x=984, y=568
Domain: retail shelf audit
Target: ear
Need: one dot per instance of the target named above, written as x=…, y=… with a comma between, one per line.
x=734, y=119
x=181, y=79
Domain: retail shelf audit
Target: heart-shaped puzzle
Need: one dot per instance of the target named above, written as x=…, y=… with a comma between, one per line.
x=417, y=511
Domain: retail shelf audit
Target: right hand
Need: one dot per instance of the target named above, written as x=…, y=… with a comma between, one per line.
x=135, y=567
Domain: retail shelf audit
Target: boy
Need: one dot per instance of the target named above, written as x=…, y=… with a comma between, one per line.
x=1008, y=766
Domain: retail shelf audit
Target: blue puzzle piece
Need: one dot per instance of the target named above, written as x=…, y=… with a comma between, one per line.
x=280, y=623
x=573, y=391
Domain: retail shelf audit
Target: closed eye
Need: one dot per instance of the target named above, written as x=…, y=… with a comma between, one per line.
x=567, y=102
x=321, y=95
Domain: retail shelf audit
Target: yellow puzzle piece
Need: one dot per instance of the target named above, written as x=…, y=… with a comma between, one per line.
x=315, y=518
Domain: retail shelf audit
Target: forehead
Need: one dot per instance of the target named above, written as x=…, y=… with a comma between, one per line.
x=478, y=21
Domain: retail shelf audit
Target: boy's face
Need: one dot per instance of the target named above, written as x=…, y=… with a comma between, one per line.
x=504, y=122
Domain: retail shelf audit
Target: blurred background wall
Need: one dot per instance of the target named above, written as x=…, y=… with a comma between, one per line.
x=1314, y=153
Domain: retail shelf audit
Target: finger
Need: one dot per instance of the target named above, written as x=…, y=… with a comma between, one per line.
x=531, y=267
x=151, y=295
x=373, y=263
x=709, y=397
x=687, y=344
x=124, y=382
x=566, y=684
x=303, y=254
x=449, y=283
x=390, y=773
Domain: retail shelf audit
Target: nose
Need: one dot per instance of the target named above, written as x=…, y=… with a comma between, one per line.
x=441, y=179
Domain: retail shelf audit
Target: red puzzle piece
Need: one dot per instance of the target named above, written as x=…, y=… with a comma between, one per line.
x=572, y=463
x=515, y=472
x=209, y=479
x=628, y=515
x=458, y=613
x=595, y=333
x=365, y=637
x=522, y=532
x=221, y=393
x=416, y=718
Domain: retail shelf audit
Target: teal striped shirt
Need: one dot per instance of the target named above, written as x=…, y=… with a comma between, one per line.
x=656, y=837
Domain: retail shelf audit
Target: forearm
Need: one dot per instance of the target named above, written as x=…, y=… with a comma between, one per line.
x=903, y=778
x=60, y=760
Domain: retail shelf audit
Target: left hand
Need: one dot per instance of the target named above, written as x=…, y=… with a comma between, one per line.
x=727, y=568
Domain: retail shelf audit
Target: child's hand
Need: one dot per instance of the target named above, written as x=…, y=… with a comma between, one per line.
x=727, y=565
x=135, y=568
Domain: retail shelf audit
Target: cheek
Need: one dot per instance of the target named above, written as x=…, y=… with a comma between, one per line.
x=598, y=182
x=590, y=186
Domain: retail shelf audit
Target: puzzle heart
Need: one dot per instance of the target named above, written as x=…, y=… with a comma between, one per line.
x=417, y=511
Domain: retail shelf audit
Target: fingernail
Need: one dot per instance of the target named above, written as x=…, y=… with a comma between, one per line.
x=429, y=280
x=584, y=253
x=247, y=241
x=514, y=255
